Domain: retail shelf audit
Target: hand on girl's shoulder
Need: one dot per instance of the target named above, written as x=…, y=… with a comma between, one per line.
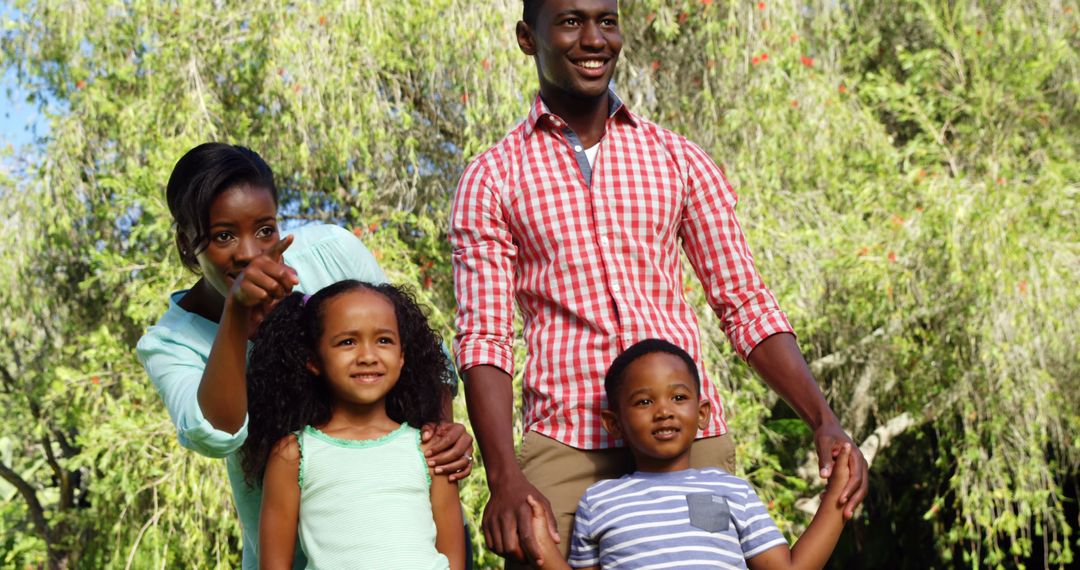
x=286, y=449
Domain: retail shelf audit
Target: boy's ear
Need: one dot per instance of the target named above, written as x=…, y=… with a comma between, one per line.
x=525, y=38
x=703, y=411
x=611, y=423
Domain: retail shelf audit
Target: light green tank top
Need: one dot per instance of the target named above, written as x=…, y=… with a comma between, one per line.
x=366, y=504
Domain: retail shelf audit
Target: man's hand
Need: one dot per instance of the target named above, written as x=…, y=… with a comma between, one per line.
x=829, y=439
x=507, y=525
x=448, y=448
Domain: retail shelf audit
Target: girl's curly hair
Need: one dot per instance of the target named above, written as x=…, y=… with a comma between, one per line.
x=284, y=396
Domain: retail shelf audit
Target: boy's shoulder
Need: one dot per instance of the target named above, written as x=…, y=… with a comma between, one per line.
x=711, y=478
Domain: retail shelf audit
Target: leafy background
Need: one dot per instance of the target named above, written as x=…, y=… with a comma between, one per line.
x=908, y=180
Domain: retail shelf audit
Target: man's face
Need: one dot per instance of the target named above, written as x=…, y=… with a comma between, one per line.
x=657, y=412
x=576, y=44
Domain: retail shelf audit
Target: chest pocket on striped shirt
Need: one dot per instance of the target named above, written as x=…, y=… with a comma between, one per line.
x=708, y=512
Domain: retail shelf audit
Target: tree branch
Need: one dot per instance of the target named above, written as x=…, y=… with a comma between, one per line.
x=37, y=512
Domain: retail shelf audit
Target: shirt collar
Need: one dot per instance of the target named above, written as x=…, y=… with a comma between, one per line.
x=540, y=112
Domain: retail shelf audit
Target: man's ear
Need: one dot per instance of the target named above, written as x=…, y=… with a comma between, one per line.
x=611, y=423
x=525, y=38
x=703, y=410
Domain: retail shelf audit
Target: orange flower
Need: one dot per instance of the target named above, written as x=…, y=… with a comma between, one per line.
x=794, y=103
x=794, y=38
x=755, y=60
x=465, y=98
x=1001, y=181
x=485, y=64
x=807, y=61
x=764, y=56
x=80, y=84
x=897, y=220
x=296, y=88
x=95, y=379
x=842, y=89
x=427, y=282
x=322, y=20
x=683, y=16
x=892, y=257
x=649, y=19
x=706, y=2
x=655, y=64
x=373, y=227
x=862, y=251
x=358, y=232
x=1022, y=287
x=760, y=5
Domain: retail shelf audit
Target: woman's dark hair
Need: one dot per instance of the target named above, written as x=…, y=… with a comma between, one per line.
x=617, y=372
x=284, y=396
x=198, y=177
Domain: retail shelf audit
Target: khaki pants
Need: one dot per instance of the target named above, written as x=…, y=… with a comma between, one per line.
x=562, y=473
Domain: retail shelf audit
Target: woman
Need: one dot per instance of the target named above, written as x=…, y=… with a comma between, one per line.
x=223, y=201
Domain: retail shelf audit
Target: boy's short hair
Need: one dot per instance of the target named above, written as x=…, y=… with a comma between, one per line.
x=529, y=10
x=613, y=380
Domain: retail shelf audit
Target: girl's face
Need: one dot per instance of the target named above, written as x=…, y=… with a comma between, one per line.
x=243, y=224
x=359, y=351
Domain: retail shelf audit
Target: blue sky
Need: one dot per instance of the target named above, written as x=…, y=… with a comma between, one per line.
x=19, y=120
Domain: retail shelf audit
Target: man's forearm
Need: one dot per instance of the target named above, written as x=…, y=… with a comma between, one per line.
x=781, y=364
x=489, y=394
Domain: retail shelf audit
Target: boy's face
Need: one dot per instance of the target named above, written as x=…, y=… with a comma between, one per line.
x=657, y=412
x=576, y=44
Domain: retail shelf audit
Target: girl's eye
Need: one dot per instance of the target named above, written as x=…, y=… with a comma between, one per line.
x=266, y=231
x=386, y=340
x=222, y=237
x=346, y=342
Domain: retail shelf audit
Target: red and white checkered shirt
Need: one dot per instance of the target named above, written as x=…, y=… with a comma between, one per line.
x=595, y=268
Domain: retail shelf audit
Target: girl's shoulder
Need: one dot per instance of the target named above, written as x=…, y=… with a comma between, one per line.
x=287, y=449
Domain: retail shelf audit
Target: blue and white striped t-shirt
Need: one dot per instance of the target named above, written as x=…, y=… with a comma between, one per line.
x=697, y=518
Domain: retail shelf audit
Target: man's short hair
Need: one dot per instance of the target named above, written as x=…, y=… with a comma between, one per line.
x=613, y=380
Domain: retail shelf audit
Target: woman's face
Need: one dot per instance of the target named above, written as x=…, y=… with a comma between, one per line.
x=243, y=224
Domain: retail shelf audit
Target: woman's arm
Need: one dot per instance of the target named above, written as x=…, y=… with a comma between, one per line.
x=280, y=513
x=815, y=546
x=223, y=390
x=449, y=526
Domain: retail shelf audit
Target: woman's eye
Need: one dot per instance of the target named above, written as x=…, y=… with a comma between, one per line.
x=222, y=237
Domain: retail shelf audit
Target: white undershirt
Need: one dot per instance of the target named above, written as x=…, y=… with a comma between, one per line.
x=590, y=153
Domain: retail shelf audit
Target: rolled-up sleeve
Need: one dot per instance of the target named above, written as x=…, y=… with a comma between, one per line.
x=483, y=258
x=176, y=372
x=717, y=249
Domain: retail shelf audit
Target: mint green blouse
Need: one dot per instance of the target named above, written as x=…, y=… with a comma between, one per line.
x=175, y=350
x=366, y=504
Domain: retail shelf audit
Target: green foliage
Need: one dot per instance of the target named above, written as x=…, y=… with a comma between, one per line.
x=908, y=180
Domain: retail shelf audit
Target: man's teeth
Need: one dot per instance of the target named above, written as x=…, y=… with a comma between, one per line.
x=591, y=64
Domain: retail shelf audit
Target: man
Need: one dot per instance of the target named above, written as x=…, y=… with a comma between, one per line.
x=578, y=214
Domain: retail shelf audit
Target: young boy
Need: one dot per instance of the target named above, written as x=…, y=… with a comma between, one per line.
x=665, y=514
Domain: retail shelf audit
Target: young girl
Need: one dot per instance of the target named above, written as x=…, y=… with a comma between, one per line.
x=337, y=383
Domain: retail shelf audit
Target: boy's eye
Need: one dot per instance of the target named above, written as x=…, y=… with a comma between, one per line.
x=643, y=402
x=680, y=397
